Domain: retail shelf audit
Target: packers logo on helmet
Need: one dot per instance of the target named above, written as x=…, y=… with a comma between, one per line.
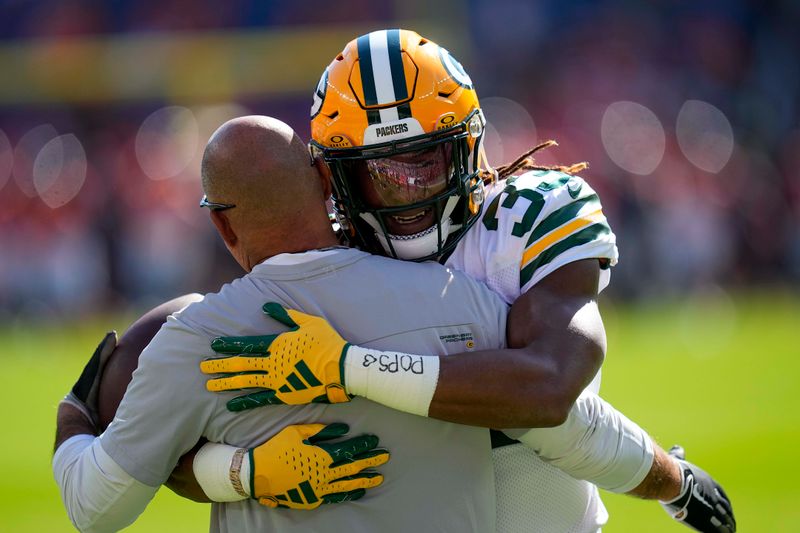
x=397, y=119
x=455, y=69
x=319, y=94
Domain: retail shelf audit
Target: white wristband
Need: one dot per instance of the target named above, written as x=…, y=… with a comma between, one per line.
x=218, y=470
x=402, y=381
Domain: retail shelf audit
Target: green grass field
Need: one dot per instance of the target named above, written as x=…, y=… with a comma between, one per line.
x=718, y=375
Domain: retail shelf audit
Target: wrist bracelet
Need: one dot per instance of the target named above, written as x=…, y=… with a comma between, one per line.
x=235, y=471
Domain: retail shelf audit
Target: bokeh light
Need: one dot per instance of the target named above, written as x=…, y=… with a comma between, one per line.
x=6, y=159
x=59, y=170
x=704, y=135
x=25, y=153
x=209, y=118
x=633, y=137
x=510, y=130
x=493, y=145
x=617, y=100
x=167, y=142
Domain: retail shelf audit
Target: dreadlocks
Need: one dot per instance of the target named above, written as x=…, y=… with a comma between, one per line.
x=526, y=162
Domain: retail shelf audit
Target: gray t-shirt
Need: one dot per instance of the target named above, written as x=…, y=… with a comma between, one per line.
x=440, y=476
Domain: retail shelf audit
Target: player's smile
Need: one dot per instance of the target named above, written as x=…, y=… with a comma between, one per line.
x=410, y=222
x=410, y=219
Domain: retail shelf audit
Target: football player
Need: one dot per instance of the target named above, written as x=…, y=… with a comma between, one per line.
x=398, y=123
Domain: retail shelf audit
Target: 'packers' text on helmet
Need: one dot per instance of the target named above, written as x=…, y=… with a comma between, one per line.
x=397, y=120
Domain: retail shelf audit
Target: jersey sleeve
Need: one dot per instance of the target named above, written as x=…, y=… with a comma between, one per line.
x=541, y=221
x=596, y=443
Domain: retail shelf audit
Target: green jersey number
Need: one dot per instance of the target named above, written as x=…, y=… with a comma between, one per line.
x=532, y=195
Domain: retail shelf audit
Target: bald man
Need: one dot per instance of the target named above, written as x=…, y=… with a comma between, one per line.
x=291, y=255
x=263, y=168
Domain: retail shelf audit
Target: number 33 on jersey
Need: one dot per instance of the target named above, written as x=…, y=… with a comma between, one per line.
x=533, y=224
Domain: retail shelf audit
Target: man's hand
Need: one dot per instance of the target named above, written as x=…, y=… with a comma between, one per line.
x=298, y=470
x=702, y=504
x=298, y=367
x=85, y=393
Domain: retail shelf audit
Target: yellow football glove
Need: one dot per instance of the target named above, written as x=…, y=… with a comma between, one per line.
x=296, y=469
x=298, y=367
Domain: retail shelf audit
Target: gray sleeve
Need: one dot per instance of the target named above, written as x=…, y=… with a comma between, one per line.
x=166, y=407
x=98, y=495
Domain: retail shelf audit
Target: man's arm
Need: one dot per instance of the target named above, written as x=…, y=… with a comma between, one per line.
x=90, y=481
x=556, y=341
x=70, y=422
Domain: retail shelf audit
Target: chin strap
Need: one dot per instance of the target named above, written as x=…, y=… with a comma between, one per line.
x=420, y=244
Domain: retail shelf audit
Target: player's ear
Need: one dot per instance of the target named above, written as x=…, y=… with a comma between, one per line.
x=325, y=175
x=224, y=228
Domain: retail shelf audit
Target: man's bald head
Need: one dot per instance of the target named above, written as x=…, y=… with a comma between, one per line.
x=261, y=166
x=256, y=161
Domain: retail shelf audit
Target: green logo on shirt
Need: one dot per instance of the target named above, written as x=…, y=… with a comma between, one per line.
x=574, y=188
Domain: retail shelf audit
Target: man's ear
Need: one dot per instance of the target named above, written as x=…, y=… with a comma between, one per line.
x=325, y=175
x=224, y=228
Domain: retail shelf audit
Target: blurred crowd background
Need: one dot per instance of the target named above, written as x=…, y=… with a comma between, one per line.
x=688, y=113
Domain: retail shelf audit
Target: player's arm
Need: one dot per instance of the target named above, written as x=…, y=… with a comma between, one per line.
x=556, y=344
x=533, y=383
x=599, y=444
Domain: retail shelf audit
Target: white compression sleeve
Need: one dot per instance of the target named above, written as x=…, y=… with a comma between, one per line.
x=401, y=381
x=97, y=493
x=223, y=474
x=596, y=443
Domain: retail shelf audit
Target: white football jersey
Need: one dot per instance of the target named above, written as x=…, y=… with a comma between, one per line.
x=531, y=225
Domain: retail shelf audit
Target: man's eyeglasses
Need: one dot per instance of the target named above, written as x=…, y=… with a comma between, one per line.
x=214, y=206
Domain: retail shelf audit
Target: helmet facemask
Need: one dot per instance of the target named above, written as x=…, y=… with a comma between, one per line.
x=411, y=198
